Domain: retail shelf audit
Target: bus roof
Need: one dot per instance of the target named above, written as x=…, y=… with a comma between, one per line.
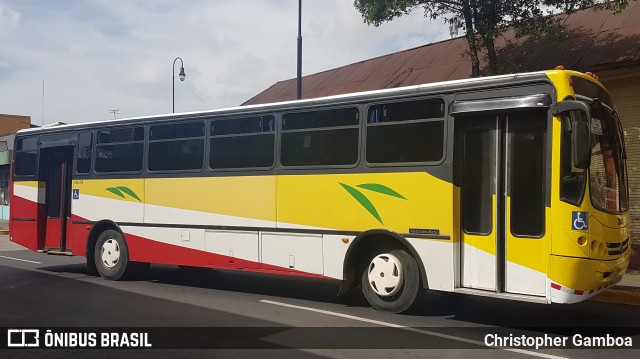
x=440, y=87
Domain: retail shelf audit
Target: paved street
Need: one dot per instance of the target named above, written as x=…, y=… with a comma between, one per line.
x=288, y=316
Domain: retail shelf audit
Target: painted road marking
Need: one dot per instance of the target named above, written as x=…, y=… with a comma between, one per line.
x=22, y=260
x=410, y=329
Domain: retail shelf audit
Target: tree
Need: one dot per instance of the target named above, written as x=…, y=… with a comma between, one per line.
x=484, y=20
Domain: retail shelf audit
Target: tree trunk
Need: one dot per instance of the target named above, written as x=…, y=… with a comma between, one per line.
x=471, y=40
x=489, y=44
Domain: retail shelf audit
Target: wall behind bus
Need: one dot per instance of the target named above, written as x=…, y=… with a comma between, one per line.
x=624, y=86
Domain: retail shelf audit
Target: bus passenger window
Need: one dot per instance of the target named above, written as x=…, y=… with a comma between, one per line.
x=406, y=132
x=176, y=147
x=25, y=157
x=320, y=138
x=247, y=142
x=120, y=150
x=83, y=161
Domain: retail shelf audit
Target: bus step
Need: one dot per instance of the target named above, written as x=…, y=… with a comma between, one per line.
x=57, y=252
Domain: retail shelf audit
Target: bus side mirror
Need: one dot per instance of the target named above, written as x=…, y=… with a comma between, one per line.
x=581, y=144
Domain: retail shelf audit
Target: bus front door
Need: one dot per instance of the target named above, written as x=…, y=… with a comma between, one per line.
x=56, y=162
x=500, y=168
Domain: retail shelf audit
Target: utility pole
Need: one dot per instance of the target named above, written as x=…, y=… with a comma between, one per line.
x=114, y=112
x=299, y=96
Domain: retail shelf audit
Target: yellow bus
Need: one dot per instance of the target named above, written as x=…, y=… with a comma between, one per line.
x=509, y=186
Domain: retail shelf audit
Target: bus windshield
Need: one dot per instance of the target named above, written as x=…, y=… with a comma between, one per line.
x=607, y=173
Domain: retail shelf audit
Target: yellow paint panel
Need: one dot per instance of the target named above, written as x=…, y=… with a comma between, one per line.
x=323, y=201
x=246, y=196
x=34, y=184
x=100, y=188
x=585, y=274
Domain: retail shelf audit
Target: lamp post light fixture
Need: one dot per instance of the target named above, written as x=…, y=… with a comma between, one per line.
x=182, y=75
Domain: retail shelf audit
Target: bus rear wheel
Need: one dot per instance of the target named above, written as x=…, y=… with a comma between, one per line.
x=391, y=281
x=111, y=255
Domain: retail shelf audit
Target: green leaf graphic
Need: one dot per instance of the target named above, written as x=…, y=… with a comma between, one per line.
x=364, y=201
x=375, y=187
x=115, y=191
x=128, y=191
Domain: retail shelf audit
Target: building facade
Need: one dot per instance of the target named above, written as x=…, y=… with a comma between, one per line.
x=9, y=125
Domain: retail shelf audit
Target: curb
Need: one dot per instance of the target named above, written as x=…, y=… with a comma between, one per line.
x=620, y=295
x=4, y=231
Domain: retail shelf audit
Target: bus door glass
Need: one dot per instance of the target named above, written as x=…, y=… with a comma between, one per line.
x=477, y=166
x=500, y=168
x=55, y=165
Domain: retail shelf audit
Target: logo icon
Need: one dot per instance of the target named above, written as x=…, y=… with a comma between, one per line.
x=365, y=202
x=23, y=338
x=579, y=220
x=76, y=193
x=121, y=191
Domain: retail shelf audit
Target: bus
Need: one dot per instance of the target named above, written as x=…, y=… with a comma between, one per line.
x=510, y=186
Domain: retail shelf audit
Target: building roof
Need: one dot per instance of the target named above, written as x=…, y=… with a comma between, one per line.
x=591, y=41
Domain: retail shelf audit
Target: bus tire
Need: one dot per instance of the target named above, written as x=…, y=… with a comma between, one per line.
x=391, y=281
x=111, y=255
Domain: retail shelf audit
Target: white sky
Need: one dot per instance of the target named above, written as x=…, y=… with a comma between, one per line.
x=97, y=55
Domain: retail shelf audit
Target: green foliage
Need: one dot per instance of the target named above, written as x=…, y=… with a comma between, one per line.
x=486, y=20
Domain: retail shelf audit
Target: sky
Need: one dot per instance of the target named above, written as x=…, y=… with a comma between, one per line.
x=99, y=55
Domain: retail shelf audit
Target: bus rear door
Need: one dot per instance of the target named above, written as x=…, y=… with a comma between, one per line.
x=55, y=171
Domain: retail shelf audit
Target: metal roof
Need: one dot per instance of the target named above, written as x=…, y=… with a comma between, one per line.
x=591, y=41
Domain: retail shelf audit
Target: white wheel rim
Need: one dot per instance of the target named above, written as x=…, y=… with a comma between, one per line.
x=110, y=254
x=385, y=275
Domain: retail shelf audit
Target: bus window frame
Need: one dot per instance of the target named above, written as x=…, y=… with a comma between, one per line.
x=148, y=141
x=445, y=131
x=144, y=141
x=92, y=154
x=280, y=132
x=15, y=152
x=210, y=136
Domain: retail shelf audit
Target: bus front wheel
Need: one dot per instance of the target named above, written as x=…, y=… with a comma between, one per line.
x=391, y=281
x=111, y=255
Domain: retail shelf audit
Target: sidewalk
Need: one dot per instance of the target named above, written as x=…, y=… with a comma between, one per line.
x=625, y=292
x=4, y=226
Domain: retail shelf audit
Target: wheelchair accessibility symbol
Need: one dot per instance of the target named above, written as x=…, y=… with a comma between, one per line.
x=76, y=193
x=579, y=220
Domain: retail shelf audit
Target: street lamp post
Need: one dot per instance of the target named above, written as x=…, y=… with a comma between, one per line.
x=182, y=75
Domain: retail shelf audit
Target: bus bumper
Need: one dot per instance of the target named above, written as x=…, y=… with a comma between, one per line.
x=573, y=280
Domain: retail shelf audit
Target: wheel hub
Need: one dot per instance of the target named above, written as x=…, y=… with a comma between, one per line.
x=110, y=253
x=385, y=275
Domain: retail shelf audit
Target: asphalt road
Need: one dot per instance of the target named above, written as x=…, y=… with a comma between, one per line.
x=243, y=314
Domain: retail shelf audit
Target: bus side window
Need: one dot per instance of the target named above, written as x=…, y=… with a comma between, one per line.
x=572, y=179
x=120, y=150
x=406, y=132
x=83, y=161
x=320, y=138
x=25, y=157
x=242, y=143
x=176, y=147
